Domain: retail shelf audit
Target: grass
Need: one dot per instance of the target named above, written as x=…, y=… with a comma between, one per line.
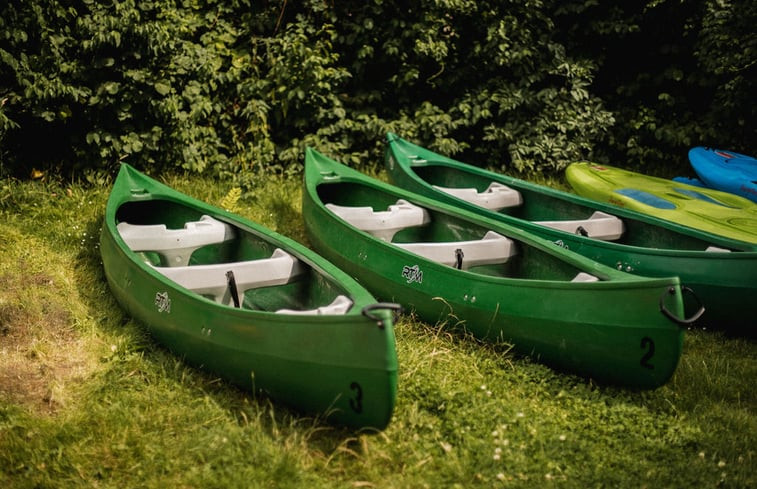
x=87, y=399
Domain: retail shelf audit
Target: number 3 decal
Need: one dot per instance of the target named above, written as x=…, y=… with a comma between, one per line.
x=357, y=403
x=646, y=342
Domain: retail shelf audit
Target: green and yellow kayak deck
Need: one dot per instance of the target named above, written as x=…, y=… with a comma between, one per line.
x=709, y=210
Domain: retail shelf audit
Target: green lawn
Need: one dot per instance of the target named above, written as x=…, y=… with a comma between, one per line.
x=88, y=399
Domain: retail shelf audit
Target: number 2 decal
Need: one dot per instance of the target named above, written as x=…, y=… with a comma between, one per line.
x=646, y=342
x=357, y=403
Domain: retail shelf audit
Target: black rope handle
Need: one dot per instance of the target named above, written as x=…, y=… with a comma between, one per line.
x=672, y=317
x=367, y=311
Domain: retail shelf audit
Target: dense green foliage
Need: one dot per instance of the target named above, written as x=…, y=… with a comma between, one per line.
x=675, y=74
x=229, y=87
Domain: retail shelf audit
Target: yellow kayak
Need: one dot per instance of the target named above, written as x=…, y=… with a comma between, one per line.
x=705, y=209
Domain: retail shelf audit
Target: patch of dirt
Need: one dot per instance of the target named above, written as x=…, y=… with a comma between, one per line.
x=41, y=353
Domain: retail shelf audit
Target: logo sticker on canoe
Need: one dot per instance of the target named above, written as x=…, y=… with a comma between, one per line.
x=163, y=302
x=412, y=274
x=562, y=244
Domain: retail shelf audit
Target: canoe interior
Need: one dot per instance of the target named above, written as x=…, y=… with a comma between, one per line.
x=529, y=262
x=538, y=206
x=308, y=290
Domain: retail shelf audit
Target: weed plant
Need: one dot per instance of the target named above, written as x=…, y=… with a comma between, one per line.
x=88, y=399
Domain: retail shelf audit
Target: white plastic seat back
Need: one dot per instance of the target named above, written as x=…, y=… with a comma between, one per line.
x=340, y=305
x=717, y=249
x=175, y=245
x=599, y=225
x=496, y=197
x=383, y=224
x=585, y=277
x=492, y=248
x=211, y=280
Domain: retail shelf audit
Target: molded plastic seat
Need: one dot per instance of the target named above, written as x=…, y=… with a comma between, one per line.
x=175, y=245
x=717, y=249
x=585, y=277
x=210, y=280
x=494, y=198
x=492, y=248
x=599, y=225
x=383, y=224
x=340, y=305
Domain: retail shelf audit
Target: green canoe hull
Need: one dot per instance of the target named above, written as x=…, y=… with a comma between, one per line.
x=341, y=366
x=708, y=210
x=726, y=281
x=611, y=330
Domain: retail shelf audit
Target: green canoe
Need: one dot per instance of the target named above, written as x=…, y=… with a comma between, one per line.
x=498, y=281
x=248, y=304
x=721, y=271
x=709, y=210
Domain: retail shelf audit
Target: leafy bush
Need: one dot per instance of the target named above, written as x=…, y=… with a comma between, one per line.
x=90, y=84
x=674, y=74
x=239, y=88
x=483, y=79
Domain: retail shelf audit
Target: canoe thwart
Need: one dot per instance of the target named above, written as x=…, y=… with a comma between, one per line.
x=496, y=197
x=175, y=245
x=211, y=280
x=599, y=225
x=382, y=224
x=492, y=249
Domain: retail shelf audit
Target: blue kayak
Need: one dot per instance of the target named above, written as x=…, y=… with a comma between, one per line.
x=726, y=171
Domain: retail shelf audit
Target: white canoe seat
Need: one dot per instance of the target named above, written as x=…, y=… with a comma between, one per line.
x=340, y=305
x=211, y=280
x=491, y=249
x=584, y=277
x=716, y=249
x=494, y=198
x=175, y=245
x=383, y=224
x=599, y=225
